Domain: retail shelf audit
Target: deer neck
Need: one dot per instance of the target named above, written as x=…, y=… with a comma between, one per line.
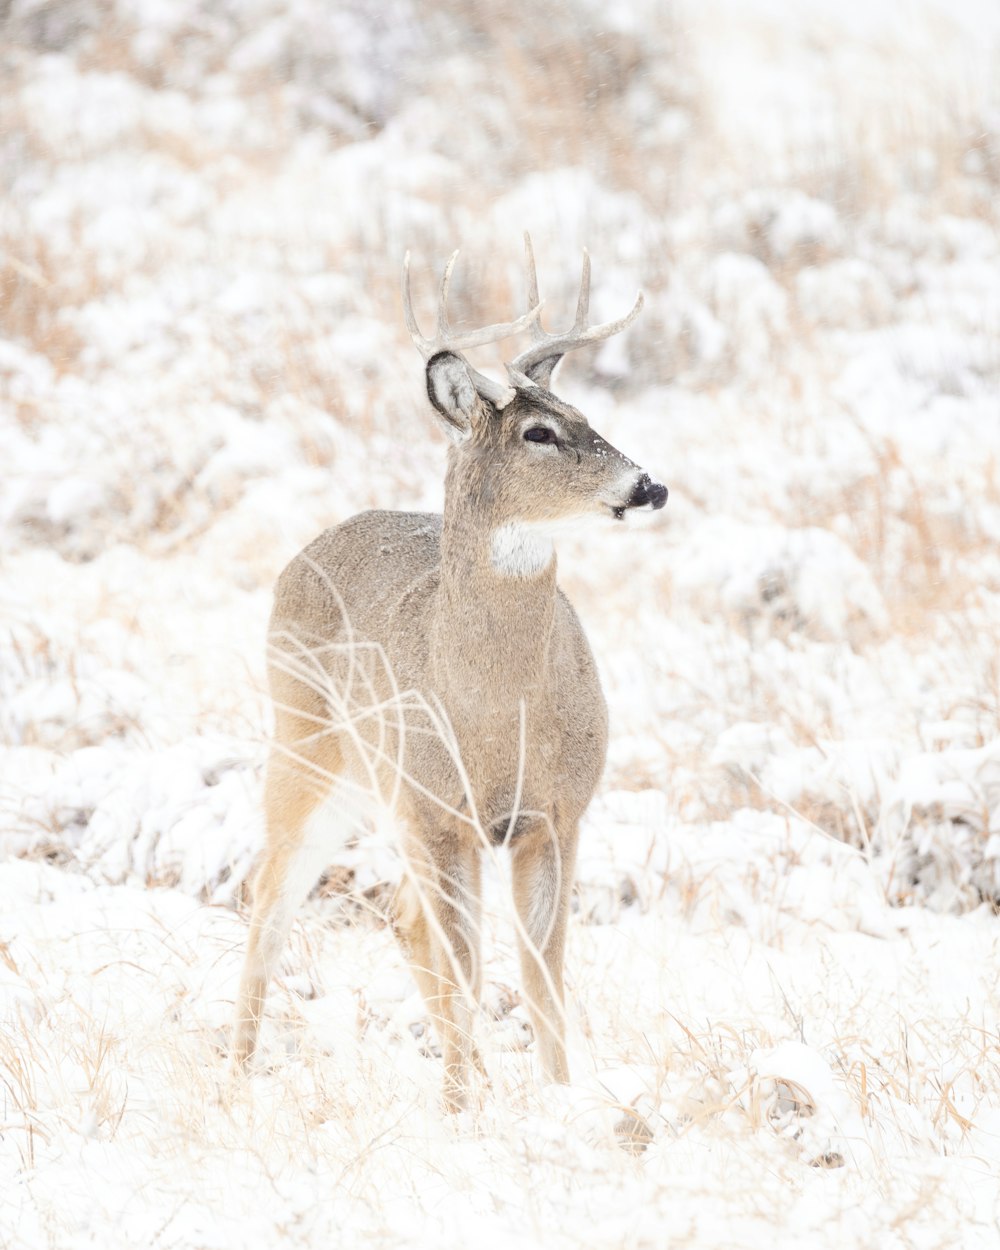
x=496, y=603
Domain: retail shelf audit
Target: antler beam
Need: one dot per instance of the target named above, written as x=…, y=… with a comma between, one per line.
x=549, y=349
x=446, y=338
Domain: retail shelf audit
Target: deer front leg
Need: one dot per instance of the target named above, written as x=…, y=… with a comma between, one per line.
x=438, y=921
x=543, y=869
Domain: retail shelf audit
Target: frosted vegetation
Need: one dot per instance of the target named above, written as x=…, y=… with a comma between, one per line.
x=784, y=957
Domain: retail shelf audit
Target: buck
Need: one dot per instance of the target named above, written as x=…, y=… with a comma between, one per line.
x=429, y=664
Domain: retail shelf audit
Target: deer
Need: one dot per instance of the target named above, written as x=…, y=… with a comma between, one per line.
x=429, y=665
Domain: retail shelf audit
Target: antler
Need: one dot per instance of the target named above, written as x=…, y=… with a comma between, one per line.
x=447, y=340
x=538, y=361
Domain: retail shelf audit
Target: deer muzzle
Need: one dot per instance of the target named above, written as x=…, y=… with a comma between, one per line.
x=647, y=494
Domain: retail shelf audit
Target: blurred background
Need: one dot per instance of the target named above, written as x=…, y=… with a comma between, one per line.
x=203, y=363
x=784, y=946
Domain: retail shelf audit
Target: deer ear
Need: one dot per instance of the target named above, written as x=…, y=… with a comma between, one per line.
x=542, y=370
x=452, y=391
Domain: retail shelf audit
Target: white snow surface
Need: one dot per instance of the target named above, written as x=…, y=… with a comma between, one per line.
x=784, y=958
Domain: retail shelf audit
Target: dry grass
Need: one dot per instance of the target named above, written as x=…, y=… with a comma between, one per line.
x=679, y=975
x=348, y=1097
x=923, y=552
x=32, y=297
x=567, y=83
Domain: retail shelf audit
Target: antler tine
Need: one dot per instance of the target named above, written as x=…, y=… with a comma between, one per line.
x=446, y=339
x=408, y=315
x=583, y=299
x=552, y=347
x=444, y=326
x=533, y=300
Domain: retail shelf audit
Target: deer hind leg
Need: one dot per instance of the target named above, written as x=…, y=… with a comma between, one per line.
x=437, y=916
x=309, y=816
x=542, y=871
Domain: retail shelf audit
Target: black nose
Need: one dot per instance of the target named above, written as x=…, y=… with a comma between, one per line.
x=648, y=492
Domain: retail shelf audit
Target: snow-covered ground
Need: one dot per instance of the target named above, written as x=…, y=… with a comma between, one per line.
x=785, y=955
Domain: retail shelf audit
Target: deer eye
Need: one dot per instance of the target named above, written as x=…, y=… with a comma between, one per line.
x=539, y=434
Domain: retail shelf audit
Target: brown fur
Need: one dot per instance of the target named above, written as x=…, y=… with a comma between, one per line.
x=490, y=724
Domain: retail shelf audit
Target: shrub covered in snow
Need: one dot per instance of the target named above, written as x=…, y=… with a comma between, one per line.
x=783, y=992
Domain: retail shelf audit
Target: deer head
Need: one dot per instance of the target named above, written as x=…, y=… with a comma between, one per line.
x=528, y=458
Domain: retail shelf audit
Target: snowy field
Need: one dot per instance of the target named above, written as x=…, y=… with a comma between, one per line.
x=784, y=959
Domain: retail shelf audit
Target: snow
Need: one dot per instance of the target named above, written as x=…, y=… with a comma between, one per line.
x=783, y=958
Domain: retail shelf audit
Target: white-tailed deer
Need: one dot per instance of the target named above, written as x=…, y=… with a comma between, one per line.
x=431, y=664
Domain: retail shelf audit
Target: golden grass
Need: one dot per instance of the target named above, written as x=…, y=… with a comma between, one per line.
x=359, y=1114
x=32, y=296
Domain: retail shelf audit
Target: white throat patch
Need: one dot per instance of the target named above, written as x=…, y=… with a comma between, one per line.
x=521, y=549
